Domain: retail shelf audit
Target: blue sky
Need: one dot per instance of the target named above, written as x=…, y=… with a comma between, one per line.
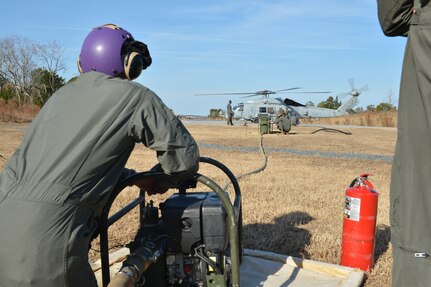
x=230, y=46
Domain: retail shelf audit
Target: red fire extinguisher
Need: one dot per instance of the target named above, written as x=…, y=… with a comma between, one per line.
x=359, y=226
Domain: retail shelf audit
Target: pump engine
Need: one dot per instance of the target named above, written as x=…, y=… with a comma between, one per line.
x=194, y=229
x=191, y=234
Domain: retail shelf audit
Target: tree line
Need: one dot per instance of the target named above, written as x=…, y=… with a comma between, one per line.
x=29, y=71
x=331, y=103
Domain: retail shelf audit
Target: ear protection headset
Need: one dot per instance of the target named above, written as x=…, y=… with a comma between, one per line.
x=135, y=58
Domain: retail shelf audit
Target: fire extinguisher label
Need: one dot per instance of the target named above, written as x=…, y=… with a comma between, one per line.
x=352, y=208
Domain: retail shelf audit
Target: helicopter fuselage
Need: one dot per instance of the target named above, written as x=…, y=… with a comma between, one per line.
x=251, y=110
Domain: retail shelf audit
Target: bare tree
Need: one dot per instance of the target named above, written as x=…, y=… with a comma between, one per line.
x=16, y=64
x=50, y=59
x=46, y=77
x=31, y=68
x=391, y=96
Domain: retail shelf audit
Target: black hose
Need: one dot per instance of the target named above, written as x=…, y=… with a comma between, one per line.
x=201, y=255
x=331, y=130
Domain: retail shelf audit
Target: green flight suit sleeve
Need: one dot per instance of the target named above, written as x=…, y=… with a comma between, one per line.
x=158, y=128
x=394, y=16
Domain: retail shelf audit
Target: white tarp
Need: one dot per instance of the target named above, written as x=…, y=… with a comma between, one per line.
x=260, y=268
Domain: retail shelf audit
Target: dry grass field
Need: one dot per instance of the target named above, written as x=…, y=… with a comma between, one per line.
x=379, y=119
x=11, y=112
x=295, y=205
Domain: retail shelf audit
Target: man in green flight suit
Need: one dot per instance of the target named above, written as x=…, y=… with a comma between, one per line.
x=410, y=212
x=229, y=113
x=56, y=183
x=283, y=122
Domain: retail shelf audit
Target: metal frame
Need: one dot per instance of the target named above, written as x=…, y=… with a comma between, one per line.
x=234, y=220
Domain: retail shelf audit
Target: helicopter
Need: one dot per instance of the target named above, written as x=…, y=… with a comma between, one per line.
x=252, y=109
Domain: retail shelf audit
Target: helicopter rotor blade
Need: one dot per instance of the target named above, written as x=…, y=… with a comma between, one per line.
x=290, y=89
x=311, y=92
x=363, y=89
x=263, y=93
x=352, y=83
x=253, y=95
x=221, y=94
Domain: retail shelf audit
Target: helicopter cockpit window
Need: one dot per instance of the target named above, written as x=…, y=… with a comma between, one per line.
x=262, y=109
x=270, y=110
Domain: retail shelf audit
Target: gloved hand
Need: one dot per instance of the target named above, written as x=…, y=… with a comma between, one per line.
x=151, y=186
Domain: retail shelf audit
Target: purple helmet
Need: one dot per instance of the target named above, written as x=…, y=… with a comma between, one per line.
x=102, y=50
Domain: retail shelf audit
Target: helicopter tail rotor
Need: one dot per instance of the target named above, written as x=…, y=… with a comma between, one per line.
x=354, y=91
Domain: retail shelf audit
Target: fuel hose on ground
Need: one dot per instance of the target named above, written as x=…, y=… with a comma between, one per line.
x=257, y=170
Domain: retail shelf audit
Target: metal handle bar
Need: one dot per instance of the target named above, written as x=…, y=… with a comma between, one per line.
x=105, y=222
